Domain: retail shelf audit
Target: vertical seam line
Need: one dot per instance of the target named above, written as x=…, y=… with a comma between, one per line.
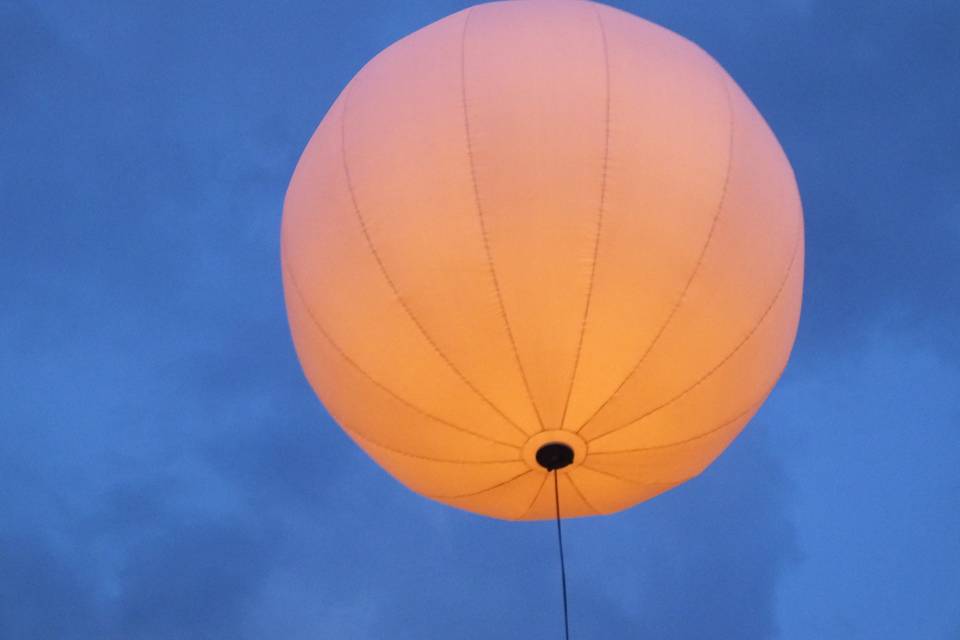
x=693, y=274
x=392, y=284
x=480, y=216
x=599, y=226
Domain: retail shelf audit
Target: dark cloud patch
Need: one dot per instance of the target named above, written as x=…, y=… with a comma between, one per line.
x=870, y=437
x=708, y=555
x=41, y=594
x=193, y=580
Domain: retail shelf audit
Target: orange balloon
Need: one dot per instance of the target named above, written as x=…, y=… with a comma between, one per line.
x=543, y=223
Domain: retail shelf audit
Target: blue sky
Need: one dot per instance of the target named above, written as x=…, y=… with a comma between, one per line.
x=166, y=472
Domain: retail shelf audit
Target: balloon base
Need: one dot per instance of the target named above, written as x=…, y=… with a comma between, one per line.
x=554, y=455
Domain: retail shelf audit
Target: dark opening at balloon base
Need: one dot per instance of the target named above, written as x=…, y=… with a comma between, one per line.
x=554, y=455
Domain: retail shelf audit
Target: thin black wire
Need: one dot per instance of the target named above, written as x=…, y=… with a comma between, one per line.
x=563, y=569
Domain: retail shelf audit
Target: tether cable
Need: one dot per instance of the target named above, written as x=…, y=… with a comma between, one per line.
x=563, y=569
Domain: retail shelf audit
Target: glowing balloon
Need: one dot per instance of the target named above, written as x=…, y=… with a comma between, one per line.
x=543, y=223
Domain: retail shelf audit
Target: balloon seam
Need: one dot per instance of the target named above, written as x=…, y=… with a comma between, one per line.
x=393, y=287
x=599, y=226
x=480, y=217
x=726, y=358
x=536, y=496
x=374, y=381
x=418, y=456
x=699, y=436
x=696, y=268
x=580, y=493
x=476, y=493
x=664, y=485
